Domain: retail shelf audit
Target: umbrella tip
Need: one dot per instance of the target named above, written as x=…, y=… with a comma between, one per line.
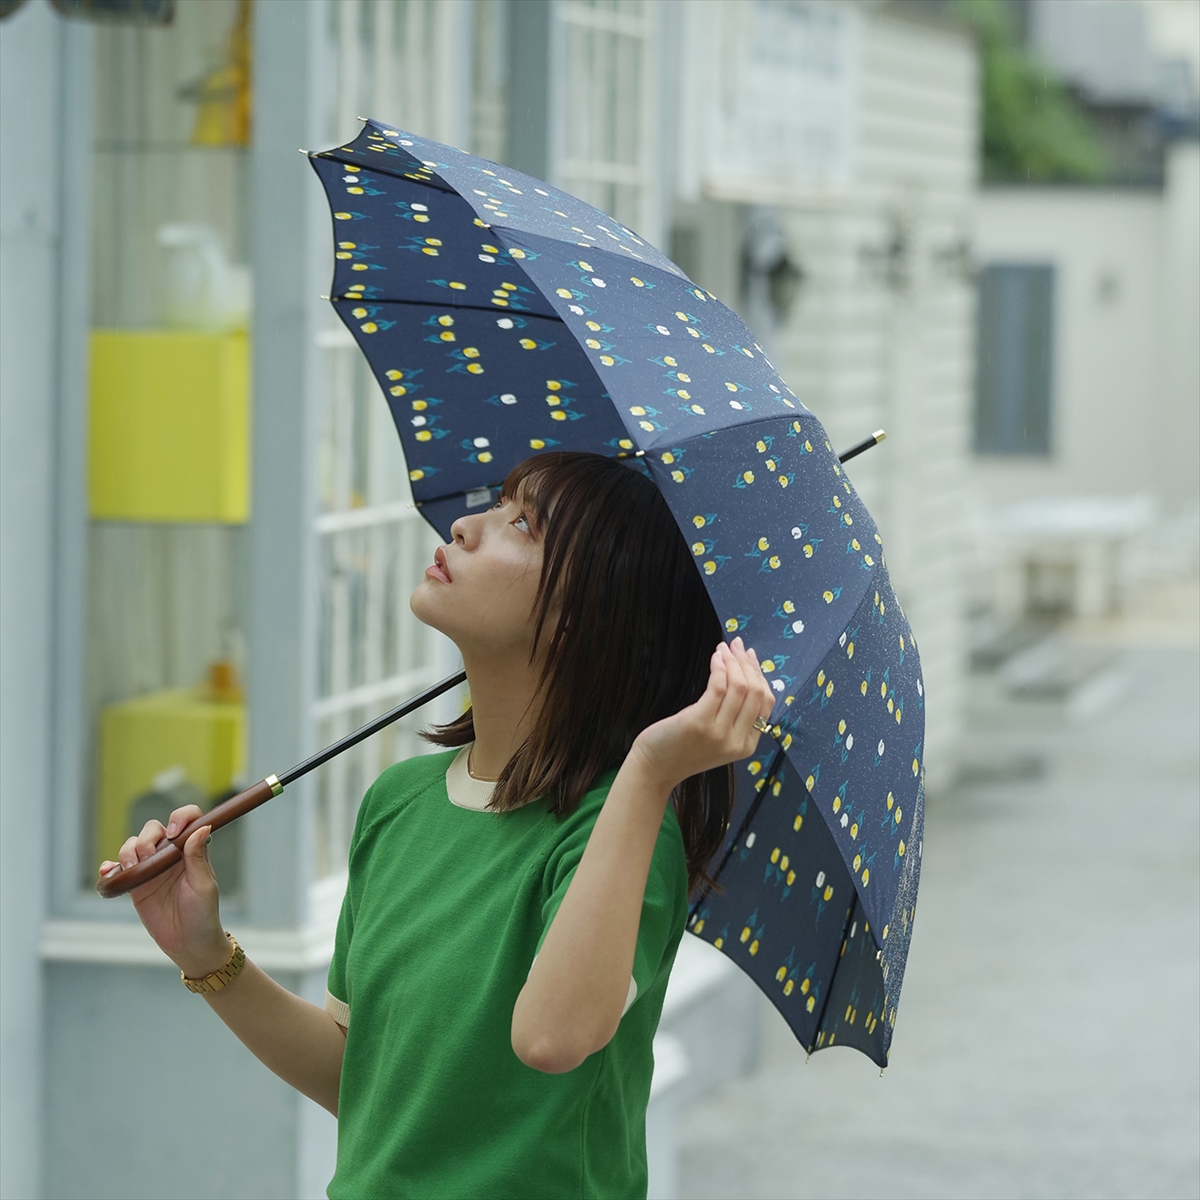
x=303, y=151
x=879, y=435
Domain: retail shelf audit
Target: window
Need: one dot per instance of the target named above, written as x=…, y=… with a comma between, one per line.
x=1015, y=356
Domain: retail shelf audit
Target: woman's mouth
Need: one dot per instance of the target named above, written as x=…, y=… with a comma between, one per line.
x=439, y=570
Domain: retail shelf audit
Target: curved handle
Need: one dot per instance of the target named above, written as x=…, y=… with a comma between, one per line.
x=170, y=851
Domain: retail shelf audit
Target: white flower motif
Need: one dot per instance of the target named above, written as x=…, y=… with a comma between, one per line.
x=849, y=736
x=508, y=398
x=797, y=626
x=820, y=879
x=879, y=748
x=481, y=442
x=505, y=322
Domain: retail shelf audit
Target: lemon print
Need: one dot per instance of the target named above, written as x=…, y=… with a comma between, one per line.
x=369, y=327
x=797, y=823
x=471, y=351
x=787, y=987
x=768, y=666
x=698, y=549
x=563, y=292
x=447, y=337
x=748, y=476
x=809, y=783
x=527, y=344
x=678, y=476
x=900, y=848
x=698, y=521
x=607, y=359
x=745, y=934
x=420, y=405
x=754, y=946
x=417, y=474
x=537, y=444
x=710, y=566
x=775, y=855
x=358, y=312
x=398, y=390
x=423, y=435
x=731, y=625
x=808, y=551
x=866, y=876
x=828, y=894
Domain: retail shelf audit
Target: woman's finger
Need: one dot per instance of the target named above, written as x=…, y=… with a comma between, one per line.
x=195, y=858
x=152, y=833
x=181, y=818
x=735, y=690
x=768, y=696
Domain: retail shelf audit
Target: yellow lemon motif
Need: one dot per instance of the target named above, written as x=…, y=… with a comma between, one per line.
x=420, y=405
x=900, y=848
x=827, y=596
x=837, y=804
x=719, y=942
x=809, y=783
x=710, y=566
x=866, y=875
x=731, y=625
x=398, y=390
x=471, y=351
x=808, y=551
x=754, y=946
x=369, y=327
x=699, y=926
x=797, y=823
x=536, y=444
x=416, y=474
x=698, y=549
x=857, y=861
x=854, y=830
x=447, y=337
x=527, y=344
x=667, y=457
x=358, y=312
x=768, y=666
x=423, y=435
x=745, y=934
x=748, y=476
x=563, y=292
x=678, y=476
x=698, y=521
x=607, y=359
x=829, y=689
x=787, y=987
x=828, y=894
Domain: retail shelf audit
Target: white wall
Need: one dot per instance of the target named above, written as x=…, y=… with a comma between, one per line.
x=30, y=59
x=882, y=333
x=1125, y=376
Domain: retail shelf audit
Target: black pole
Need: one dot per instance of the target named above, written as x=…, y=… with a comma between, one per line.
x=859, y=447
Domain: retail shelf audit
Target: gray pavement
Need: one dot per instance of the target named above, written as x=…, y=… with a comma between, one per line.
x=1048, y=1040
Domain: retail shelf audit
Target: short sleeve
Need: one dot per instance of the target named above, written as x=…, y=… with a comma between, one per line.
x=337, y=986
x=664, y=907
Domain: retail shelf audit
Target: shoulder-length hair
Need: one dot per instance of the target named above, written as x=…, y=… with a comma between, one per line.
x=630, y=644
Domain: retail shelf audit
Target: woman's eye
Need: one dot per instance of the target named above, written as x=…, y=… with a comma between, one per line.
x=522, y=523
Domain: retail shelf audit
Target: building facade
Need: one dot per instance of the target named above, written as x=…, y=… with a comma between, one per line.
x=813, y=164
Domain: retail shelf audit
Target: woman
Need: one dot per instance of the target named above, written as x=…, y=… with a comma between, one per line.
x=514, y=906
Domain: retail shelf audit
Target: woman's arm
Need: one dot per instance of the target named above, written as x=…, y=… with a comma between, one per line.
x=300, y=1042
x=572, y=1003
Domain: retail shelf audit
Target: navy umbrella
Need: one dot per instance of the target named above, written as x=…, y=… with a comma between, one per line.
x=503, y=317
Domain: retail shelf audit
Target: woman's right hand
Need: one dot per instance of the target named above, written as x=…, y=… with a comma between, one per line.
x=179, y=908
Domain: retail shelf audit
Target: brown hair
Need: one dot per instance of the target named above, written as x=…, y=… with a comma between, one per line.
x=631, y=644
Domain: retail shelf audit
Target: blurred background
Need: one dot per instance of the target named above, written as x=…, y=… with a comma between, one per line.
x=973, y=223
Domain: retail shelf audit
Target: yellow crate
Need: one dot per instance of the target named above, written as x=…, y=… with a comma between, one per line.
x=169, y=426
x=141, y=738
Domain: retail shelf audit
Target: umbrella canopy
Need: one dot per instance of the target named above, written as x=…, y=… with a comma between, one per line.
x=503, y=317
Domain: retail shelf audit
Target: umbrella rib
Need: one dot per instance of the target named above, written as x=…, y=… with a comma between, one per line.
x=430, y=304
x=829, y=988
x=750, y=815
x=382, y=170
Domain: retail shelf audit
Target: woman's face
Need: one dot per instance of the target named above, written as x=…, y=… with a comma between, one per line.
x=481, y=587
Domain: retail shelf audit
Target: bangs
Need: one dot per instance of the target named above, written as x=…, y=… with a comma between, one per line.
x=539, y=483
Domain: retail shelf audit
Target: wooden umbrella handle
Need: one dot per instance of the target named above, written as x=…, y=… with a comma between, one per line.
x=170, y=850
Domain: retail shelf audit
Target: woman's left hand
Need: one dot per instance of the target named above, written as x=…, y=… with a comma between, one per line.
x=718, y=728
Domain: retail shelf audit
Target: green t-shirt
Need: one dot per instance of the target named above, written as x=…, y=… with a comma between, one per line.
x=444, y=912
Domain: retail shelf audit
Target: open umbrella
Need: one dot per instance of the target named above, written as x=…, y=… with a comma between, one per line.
x=503, y=317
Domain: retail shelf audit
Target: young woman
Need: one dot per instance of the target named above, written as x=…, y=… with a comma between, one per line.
x=514, y=905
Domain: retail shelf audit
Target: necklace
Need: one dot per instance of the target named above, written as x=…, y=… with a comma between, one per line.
x=477, y=778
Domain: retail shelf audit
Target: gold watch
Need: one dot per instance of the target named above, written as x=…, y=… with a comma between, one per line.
x=214, y=981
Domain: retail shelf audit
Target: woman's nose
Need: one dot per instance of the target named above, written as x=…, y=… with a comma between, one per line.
x=464, y=531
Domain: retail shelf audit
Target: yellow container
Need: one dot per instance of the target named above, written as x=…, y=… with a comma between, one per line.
x=169, y=426
x=142, y=738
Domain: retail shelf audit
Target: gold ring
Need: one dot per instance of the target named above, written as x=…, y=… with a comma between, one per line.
x=762, y=724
